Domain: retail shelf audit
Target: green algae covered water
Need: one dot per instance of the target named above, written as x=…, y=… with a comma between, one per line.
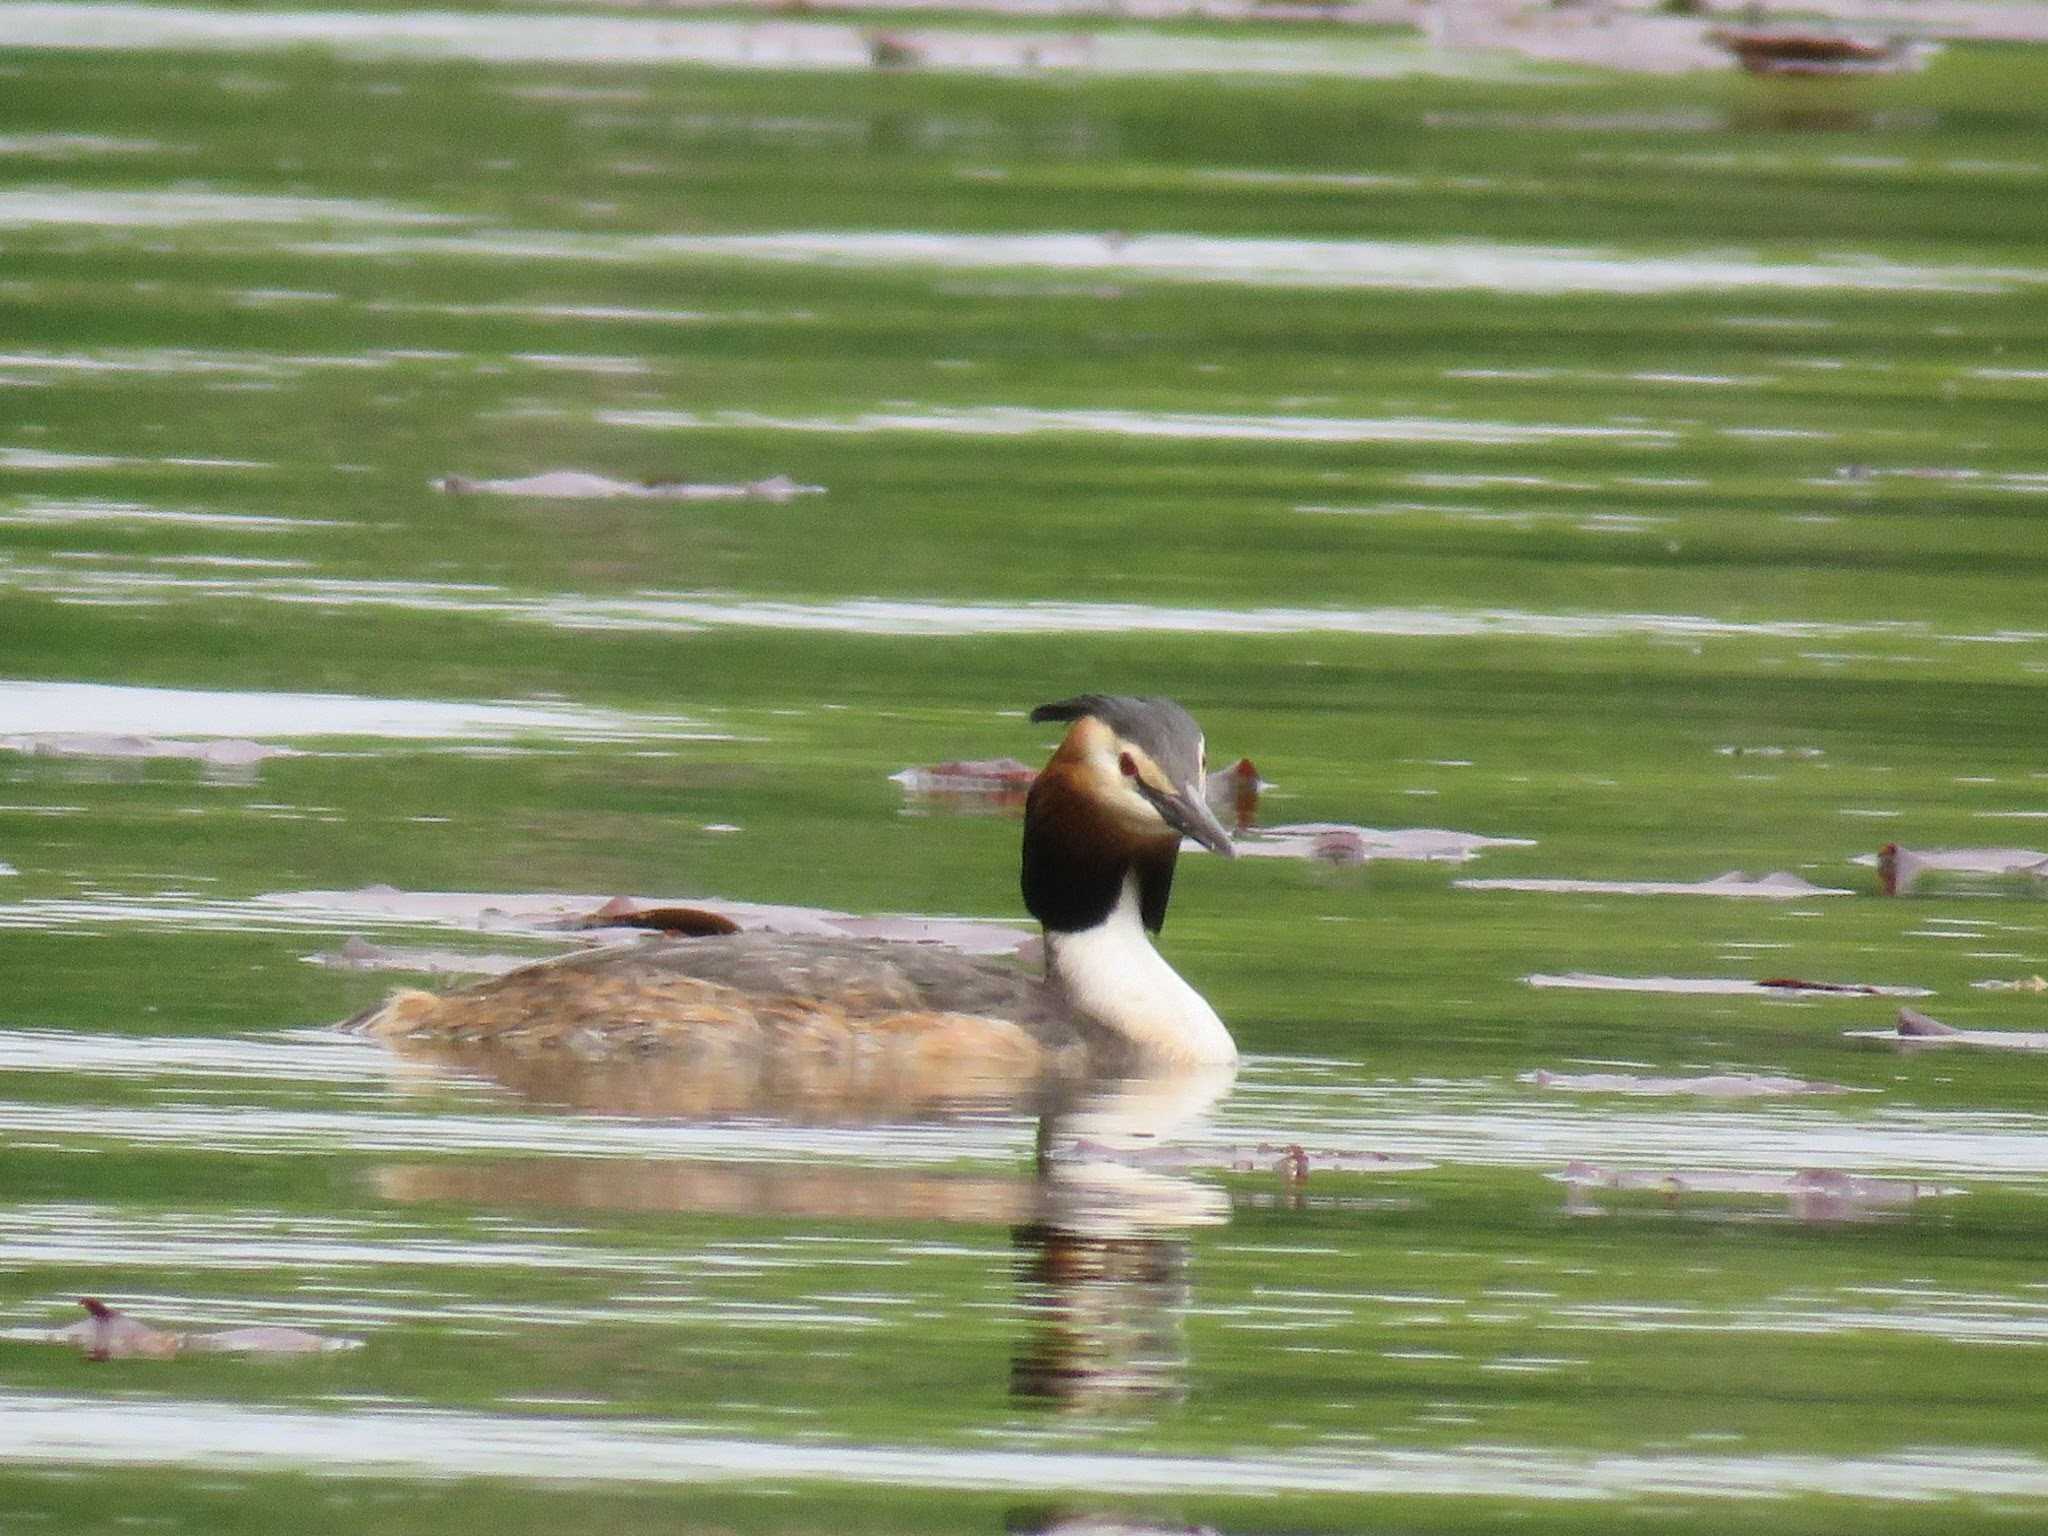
x=456, y=470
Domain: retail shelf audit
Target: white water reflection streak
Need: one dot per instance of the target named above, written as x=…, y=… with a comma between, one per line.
x=28, y=207
x=595, y=39
x=425, y=1444
x=29, y=707
x=1482, y=1123
x=1415, y=265
x=674, y=612
x=1022, y=421
x=256, y=1129
x=1337, y=1109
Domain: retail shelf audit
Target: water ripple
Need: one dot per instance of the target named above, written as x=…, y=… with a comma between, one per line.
x=681, y=612
x=424, y=1444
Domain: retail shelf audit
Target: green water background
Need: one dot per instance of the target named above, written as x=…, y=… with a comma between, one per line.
x=1773, y=500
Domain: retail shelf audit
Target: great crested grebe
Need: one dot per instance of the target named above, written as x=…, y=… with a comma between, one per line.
x=1102, y=828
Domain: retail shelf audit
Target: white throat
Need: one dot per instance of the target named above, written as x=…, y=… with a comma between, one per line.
x=1111, y=974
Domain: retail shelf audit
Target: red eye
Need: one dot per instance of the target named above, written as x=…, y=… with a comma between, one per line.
x=1129, y=764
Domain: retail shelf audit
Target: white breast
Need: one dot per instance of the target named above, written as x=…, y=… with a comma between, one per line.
x=1113, y=975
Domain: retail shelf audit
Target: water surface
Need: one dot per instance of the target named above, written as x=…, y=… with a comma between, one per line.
x=1490, y=457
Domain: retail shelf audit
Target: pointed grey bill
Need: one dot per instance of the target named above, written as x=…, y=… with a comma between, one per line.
x=1187, y=812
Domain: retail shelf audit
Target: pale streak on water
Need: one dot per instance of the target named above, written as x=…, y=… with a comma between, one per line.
x=621, y=313
x=45, y=459
x=677, y=612
x=39, y=512
x=1019, y=421
x=73, y=146
x=1337, y=1108
x=401, y=1442
x=246, y=1129
x=177, y=361
x=591, y=39
x=28, y=207
x=1956, y=1317
x=1419, y=265
x=33, y=706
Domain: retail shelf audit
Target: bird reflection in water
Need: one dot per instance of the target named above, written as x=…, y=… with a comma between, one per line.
x=1105, y=1272
x=1101, y=1247
x=1105, y=1317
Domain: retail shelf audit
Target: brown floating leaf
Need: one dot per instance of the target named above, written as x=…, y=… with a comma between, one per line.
x=359, y=954
x=1914, y=1028
x=1913, y=1022
x=1808, y=51
x=1794, y=984
x=580, y=485
x=110, y=1334
x=1340, y=843
x=1813, y=1194
x=690, y=922
x=1236, y=790
x=1900, y=869
x=985, y=783
x=620, y=912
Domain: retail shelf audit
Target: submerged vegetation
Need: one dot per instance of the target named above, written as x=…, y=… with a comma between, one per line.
x=1652, y=471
